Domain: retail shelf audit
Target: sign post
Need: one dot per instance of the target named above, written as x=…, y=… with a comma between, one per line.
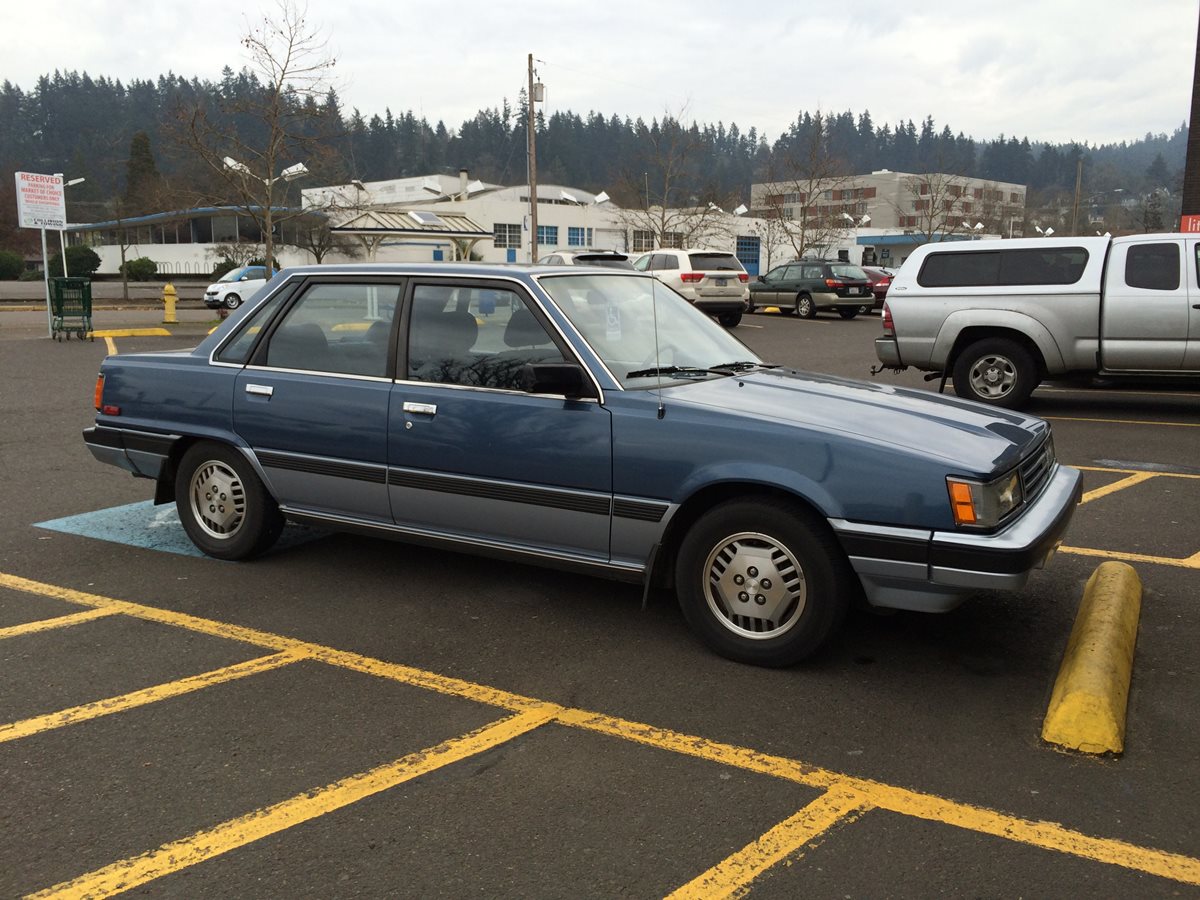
x=41, y=204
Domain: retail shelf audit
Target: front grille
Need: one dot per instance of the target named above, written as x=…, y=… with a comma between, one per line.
x=1035, y=470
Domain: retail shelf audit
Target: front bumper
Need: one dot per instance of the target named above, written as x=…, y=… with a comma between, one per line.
x=932, y=571
x=212, y=301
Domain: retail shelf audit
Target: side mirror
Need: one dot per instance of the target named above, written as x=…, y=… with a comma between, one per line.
x=552, y=378
x=762, y=278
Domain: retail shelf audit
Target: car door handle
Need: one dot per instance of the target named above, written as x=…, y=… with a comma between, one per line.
x=262, y=390
x=421, y=409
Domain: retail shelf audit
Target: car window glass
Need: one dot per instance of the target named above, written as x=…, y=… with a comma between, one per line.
x=339, y=328
x=852, y=272
x=238, y=349
x=1153, y=267
x=709, y=262
x=989, y=268
x=642, y=263
x=811, y=272
x=667, y=261
x=474, y=336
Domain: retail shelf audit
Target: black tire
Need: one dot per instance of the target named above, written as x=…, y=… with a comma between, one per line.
x=805, y=308
x=790, y=564
x=224, y=507
x=730, y=319
x=997, y=371
x=848, y=313
x=751, y=309
x=232, y=301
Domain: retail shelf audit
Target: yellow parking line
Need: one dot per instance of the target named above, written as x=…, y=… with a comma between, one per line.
x=57, y=622
x=1187, y=562
x=1136, y=478
x=1121, y=421
x=110, y=345
x=1047, y=835
x=1137, y=472
x=130, y=873
x=132, y=332
x=732, y=876
x=26, y=727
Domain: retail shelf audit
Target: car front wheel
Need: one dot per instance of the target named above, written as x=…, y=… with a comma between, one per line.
x=762, y=581
x=804, y=307
x=224, y=507
x=233, y=301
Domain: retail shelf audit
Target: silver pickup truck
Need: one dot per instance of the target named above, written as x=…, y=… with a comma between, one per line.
x=998, y=317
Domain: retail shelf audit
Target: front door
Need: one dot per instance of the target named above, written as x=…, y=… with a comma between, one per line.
x=474, y=457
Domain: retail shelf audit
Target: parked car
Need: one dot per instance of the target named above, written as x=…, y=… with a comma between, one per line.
x=881, y=280
x=713, y=280
x=596, y=421
x=808, y=286
x=608, y=258
x=235, y=287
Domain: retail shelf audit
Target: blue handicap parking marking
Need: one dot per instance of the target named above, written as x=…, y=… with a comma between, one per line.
x=152, y=528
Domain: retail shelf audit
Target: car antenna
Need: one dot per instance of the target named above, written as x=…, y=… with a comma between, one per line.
x=657, y=360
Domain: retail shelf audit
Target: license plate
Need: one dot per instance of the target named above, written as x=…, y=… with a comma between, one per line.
x=721, y=282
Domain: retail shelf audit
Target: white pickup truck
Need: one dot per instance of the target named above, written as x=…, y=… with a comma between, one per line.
x=998, y=317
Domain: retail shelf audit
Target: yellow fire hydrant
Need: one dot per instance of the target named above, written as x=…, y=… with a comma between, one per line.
x=169, y=304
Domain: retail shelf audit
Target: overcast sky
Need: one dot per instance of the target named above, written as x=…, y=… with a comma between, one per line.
x=1098, y=71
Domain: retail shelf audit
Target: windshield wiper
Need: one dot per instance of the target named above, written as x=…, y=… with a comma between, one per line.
x=696, y=371
x=685, y=371
x=741, y=366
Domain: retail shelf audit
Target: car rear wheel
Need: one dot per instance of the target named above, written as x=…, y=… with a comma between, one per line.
x=849, y=313
x=996, y=371
x=762, y=581
x=224, y=507
x=730, y=319
x=233, y=301
x=804, y=307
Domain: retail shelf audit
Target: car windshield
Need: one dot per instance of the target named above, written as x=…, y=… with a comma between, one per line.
x=620, y=315
x=233, y=274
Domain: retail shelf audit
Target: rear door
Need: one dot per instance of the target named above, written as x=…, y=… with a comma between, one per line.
x=1191, y=356
x=313, y=401
x=1146, y=309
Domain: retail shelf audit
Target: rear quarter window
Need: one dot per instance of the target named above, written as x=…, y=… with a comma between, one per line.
x=1003, y=268
x=1153, y=267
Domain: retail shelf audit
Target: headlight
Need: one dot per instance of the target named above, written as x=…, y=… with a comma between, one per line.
x=983, y=505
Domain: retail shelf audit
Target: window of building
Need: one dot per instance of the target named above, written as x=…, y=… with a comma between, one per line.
x=506, y=235
x=579, y=237
x=673, y=239
x=548, y=234
x=642, y=241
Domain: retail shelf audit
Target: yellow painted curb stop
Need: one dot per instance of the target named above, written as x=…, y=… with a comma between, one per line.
x=1087, y=706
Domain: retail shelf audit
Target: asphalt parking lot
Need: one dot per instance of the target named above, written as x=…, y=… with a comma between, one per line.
x=350, y=717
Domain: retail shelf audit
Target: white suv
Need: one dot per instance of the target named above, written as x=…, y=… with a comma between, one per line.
x=713, y=280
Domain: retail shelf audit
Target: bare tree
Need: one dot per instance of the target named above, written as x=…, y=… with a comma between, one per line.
x=314, y=236
x=936, y=204
x=805, y=200
x=261, y=138
x=665, y=199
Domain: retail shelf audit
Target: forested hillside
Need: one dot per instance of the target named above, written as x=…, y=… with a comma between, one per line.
x=83, y=126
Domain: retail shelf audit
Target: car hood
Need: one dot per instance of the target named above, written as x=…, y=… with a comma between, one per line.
x=982, y=439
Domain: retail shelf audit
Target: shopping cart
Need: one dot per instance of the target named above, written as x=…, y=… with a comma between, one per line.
x=71, y=306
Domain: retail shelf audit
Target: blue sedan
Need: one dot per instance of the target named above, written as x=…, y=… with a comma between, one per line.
x=589, y=419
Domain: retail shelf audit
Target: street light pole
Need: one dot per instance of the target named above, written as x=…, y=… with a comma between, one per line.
x=62, y=240
x=531, y=128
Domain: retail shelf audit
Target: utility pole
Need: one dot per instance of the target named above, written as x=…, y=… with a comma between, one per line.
x=1191, y=167
x=1078, y=185
x=531, y=128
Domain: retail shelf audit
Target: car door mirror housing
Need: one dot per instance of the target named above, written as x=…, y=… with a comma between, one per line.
x=552, y=378
x=762, y=278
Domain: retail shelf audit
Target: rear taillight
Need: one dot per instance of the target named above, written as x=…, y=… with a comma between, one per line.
x=744, y=278
x=691, y=277
x=888, y=326
x=99, y=391
x=832, y=283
